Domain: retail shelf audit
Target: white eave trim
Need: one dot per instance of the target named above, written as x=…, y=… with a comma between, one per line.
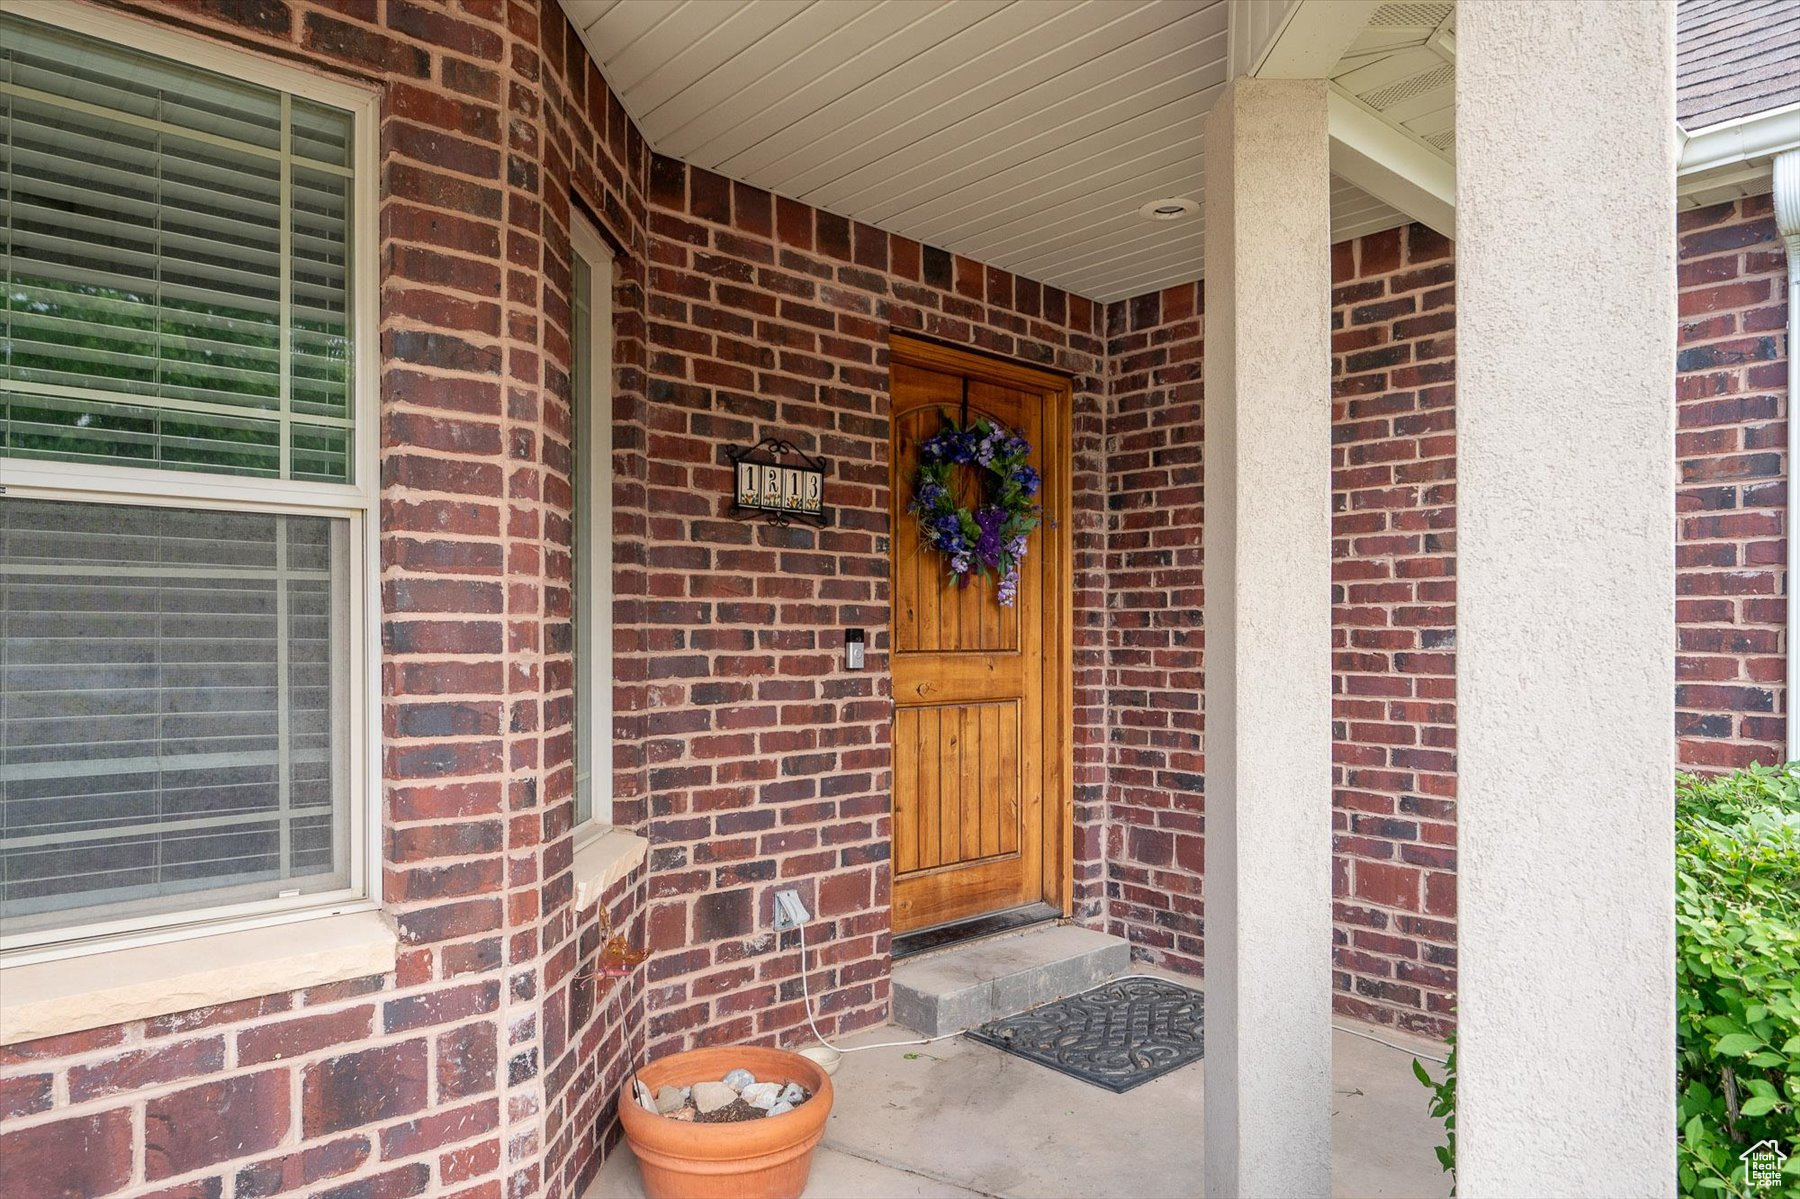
x=1391, y=165
x=1738, y=142
x=1306, y=39
x=1408, y=176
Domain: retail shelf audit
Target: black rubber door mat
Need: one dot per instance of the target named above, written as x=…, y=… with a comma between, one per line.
x=1119, y=1035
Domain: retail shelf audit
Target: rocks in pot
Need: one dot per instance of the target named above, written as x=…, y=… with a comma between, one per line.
x=711, y=1096
x=762, y=1095
x=738, y=1096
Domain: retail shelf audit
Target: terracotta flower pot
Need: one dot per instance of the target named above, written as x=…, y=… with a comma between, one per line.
x=768, y=1158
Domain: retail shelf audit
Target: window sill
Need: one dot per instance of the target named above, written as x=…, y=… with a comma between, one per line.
x=47, y=999
x=603, y=860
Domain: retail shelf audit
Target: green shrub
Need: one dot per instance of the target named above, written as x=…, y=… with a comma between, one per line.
x=1737, y=983
x=1737, y=917
x=1443, y=1107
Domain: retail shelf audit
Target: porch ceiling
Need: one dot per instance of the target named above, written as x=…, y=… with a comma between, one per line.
x=1023, y=133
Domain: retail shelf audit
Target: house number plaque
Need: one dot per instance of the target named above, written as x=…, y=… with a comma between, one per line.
x=775, y=479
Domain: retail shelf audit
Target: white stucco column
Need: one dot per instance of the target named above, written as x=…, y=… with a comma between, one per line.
x=1268, y=641
x=1565, y=136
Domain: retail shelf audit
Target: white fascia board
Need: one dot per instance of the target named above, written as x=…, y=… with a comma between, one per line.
x=1252, y=27
x=1391, y=166
x=1308, y=39
x=1746, y=140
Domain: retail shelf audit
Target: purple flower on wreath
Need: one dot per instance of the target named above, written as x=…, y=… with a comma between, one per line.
x=987, y=545
x=1008, y=591
x=989, y=447
x=954, y=446
x=993, y=536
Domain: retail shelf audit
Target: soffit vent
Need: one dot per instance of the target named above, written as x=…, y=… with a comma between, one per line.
x=1416, y=85
x=1429, y=16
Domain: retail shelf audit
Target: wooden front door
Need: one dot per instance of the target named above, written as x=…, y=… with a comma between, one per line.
x=981, y=692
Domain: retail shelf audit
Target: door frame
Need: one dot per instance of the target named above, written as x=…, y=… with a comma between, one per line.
x=1056, y=540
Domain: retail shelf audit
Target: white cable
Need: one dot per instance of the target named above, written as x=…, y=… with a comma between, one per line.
x=806, y=993
x=1402, y=1048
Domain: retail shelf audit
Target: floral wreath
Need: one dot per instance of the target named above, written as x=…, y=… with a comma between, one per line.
x=992, y=537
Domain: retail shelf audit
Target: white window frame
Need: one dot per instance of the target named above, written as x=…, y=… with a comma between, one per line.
x=356, y=502
x=594, y=570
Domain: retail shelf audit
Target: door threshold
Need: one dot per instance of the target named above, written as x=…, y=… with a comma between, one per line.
x=942, y=936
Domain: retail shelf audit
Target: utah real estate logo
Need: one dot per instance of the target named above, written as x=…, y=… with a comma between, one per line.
x=1762, y=1164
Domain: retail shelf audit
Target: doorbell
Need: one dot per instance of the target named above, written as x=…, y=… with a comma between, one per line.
x=855, y=642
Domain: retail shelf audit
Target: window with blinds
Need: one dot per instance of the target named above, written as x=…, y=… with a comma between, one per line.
x=174, y=708
x=180, y=689
x=175, y=260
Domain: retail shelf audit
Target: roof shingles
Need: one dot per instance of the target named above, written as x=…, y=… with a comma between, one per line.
x=1735, y=58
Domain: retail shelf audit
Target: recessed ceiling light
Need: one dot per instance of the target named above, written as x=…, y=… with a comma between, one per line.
x=1170, y=208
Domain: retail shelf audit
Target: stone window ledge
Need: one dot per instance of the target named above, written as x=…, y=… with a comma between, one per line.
x=603, y=860
x=47, y=999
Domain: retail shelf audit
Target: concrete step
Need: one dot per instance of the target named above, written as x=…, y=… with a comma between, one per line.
x=955, y=989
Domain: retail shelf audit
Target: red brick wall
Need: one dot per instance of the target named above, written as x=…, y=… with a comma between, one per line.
x=489, y=1060
x=1393, y=615
x=1731, y=448
x=1154, y=639
x=1393, y=491
x=1394, y=590
x=768, y=763
x=483, y=1065
x=1394, y=628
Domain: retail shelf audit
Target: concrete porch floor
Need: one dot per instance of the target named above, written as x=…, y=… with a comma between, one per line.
x=959, y=1120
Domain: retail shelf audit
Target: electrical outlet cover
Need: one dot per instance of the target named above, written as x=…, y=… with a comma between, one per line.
x=790, y=912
